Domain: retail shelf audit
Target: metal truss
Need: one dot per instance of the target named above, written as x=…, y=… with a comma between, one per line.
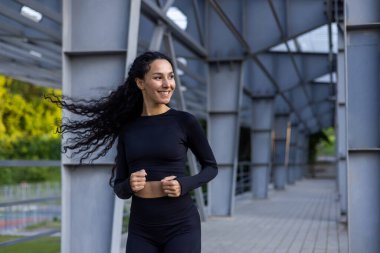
x=224, y=51
x=31, y=51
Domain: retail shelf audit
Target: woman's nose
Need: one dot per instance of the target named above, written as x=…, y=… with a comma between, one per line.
x=165, y=82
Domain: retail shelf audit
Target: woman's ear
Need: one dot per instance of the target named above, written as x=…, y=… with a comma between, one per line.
x=139, y=83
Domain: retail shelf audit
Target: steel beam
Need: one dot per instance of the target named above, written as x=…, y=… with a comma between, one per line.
x=132, y=44
x=225, y=92
x=86, y=195
x=31, y=71
x=15, y=51
x=341, y=128
x=181, y=104
x=305, y=157
x=44, y=29
x=26, y=44
x=269, y=80
x=301, y=156
x=239, y=38
x=195, y=12
x=292, y=170
x=291, y=13
x=313, y=65
x=39, y=82
x=261, y=145
x=48, y=8
x=29, y=163
x=154, y=12
x=363, y=115
x=280, y=150
x=290, y=53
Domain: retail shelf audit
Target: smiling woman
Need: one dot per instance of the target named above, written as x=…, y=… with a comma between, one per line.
x=153, y=140
x=157, y=87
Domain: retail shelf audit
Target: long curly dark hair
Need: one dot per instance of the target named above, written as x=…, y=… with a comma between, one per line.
x=104, y=117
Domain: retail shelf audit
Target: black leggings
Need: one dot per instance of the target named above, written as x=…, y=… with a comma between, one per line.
x=164, y=225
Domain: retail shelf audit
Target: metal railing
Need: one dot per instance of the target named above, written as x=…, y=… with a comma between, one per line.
x=243, y=179
x=26, y=204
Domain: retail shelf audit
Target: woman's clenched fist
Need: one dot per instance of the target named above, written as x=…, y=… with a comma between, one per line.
x=171, y=186
x=137, y=180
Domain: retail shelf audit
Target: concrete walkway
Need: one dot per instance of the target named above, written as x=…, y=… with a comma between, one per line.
x=304, y=218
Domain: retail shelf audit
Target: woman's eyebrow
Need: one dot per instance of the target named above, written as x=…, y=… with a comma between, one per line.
x=160, y=73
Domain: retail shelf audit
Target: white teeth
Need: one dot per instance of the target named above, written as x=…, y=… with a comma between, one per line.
x=164, y=92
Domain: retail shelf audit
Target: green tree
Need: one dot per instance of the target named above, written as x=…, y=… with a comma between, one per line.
x=27, y=130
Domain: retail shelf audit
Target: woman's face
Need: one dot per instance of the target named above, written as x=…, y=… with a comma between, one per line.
x=158, y=84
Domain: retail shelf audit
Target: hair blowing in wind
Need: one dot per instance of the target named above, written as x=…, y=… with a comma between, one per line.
x=103, y=118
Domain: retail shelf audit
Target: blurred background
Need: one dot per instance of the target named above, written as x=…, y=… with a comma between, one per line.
x=286, y=90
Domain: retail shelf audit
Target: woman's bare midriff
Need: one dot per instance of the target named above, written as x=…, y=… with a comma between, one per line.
x=152, y=189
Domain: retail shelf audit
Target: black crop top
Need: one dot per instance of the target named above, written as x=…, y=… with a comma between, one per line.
x=159, y=145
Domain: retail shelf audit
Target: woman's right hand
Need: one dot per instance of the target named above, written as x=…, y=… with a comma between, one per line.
x=137, y=180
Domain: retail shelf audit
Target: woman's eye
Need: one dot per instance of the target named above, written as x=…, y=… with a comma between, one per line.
x=171, y=77
x=157, y=78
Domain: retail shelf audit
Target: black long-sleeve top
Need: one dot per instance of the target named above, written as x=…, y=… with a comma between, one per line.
x=159, y=144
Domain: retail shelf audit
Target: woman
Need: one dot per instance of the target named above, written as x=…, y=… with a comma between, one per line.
x=153, y=140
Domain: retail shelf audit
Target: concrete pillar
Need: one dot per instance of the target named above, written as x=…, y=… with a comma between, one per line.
x=362, y=42
x=279, y=166
x=261, y=145
x=225, y=91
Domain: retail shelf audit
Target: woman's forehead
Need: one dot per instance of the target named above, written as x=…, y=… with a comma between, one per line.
x=160, y=66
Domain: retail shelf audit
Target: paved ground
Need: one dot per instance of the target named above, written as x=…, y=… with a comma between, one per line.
x=304, y=218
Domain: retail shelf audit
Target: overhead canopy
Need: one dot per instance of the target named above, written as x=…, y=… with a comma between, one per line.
x=271, y=38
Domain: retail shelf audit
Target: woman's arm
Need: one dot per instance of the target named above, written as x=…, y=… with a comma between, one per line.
x=122, y=187
x=198, y=144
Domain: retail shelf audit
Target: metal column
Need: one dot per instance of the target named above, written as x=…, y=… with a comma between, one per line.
x=341, y=128
x=92, y=66
x=279, y=166
x=292, y=170
x=261, y=143
x=362, y=43
x=224, y=99
x=300, y=156
x=305, y=157
x=225, y=92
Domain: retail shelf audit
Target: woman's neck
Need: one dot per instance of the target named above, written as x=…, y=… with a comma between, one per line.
x=149, y=111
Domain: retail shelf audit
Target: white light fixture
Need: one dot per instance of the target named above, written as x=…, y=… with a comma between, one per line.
x=31, y=14
x=177, y=16
x=184, y=62
x=35, y=53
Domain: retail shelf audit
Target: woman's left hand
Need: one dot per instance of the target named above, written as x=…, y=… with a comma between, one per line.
x=171, y=186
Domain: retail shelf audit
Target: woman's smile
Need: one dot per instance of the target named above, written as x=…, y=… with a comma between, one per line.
x=165, y=93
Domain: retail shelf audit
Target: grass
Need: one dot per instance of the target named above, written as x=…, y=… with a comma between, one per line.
x=45, y=225
x=42, y=245
x=4, y=238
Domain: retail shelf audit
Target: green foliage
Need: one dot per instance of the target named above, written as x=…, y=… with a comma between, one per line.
x=24, y=112
x=322, y=143
x=15, y=175
x=27, y=130
x=327, y=148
